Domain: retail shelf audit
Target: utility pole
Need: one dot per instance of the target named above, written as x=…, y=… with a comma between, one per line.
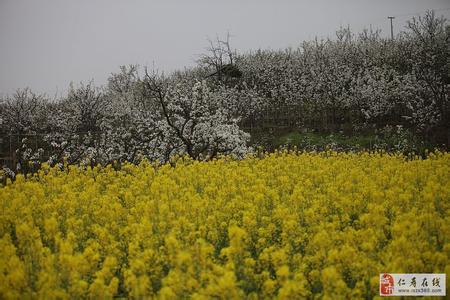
x=392, y=28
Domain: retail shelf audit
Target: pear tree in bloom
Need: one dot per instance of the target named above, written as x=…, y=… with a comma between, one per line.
x=75, y=124
x=23, y=112
x=193, y=120
x=427, y=41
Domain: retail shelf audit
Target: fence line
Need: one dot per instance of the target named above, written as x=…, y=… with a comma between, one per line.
x=10, y=142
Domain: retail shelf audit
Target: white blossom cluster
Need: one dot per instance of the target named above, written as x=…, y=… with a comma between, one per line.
x=357, y=80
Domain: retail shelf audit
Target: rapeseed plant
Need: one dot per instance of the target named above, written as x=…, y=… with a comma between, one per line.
x=285, y=225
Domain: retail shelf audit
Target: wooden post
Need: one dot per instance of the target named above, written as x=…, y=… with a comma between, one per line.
x=11, y=154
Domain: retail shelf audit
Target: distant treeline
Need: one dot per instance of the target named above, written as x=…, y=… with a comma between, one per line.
x=352, y=84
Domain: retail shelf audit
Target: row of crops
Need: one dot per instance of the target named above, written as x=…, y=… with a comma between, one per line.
x=284, y=225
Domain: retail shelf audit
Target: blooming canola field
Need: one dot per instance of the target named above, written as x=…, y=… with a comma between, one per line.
x=283, y=225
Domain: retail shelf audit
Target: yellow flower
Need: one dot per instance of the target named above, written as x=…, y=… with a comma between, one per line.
x=283, y=225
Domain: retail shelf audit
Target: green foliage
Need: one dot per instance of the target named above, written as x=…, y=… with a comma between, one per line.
x=388, y=138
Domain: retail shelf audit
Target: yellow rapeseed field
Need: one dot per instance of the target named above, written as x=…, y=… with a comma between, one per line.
x=286, y=225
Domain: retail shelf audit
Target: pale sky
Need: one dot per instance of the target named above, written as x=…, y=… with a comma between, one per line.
x=46, y=44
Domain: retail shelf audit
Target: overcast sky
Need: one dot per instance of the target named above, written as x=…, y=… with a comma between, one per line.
x=46, y=44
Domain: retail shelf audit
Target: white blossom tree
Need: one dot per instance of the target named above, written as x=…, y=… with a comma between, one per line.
x=193, y=119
